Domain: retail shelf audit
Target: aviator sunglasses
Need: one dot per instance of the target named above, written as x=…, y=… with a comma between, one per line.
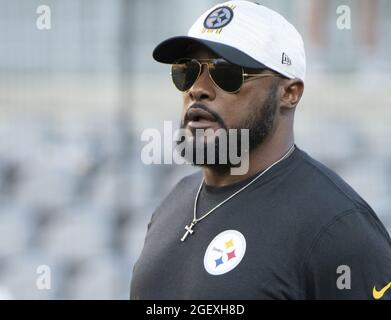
x=227, y=76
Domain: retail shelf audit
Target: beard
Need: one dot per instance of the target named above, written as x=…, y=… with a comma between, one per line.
x=259, y=125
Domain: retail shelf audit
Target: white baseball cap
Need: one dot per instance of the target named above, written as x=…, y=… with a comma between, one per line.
x=244, y=33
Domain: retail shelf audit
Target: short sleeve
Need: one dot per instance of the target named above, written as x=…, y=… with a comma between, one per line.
x=349, y=257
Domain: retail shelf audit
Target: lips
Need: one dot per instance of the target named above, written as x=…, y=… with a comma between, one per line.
x=200, y=119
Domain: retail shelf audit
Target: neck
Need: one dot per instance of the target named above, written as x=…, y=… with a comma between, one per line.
x=264, y=155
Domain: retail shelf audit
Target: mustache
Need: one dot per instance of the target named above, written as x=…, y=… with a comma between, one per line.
x=216, y=117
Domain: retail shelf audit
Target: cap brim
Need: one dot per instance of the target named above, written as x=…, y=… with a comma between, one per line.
x=176, y=47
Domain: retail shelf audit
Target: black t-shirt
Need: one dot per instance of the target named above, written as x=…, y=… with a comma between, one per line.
x=298, y=232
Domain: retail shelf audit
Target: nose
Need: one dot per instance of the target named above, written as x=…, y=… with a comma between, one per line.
x=203, y=88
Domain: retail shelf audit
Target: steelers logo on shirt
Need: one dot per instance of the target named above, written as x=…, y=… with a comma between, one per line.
x=225, y=252
x=218, y=18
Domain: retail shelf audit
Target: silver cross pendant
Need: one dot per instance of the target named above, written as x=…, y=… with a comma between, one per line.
x=189, y=230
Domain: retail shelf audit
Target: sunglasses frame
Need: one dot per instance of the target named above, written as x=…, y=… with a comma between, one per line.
x=211, y=62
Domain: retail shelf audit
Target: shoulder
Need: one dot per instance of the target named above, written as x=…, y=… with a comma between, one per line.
x=318, y=190
x=187, y=184
x=327, y=182
x=322, y=203
x=183, y=189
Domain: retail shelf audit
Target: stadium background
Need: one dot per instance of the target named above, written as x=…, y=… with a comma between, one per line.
x=74, y=194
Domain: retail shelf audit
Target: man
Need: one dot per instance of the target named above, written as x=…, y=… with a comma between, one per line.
x=289, y=228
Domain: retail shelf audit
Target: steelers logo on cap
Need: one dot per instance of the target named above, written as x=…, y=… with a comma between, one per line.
x=225, y=252
x=218, y=18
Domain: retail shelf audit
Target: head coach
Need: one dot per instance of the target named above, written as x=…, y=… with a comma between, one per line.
x=289, y=228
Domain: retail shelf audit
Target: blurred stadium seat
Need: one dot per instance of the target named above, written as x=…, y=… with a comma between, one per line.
x=74, y=194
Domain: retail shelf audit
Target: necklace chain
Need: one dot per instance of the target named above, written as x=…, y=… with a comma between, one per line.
x=196, y=220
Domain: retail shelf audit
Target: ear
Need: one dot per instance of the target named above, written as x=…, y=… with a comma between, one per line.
x=292, y=90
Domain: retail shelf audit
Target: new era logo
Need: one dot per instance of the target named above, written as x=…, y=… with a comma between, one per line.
x=286, y=59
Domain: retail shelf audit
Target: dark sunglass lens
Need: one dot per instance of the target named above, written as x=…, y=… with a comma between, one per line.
x=184, y=73
x=226, y=75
